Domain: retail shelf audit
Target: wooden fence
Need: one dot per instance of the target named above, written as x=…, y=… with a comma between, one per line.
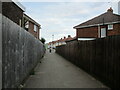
x=100, y=58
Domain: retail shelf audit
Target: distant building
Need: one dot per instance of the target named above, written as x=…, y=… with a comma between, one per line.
x=106, y=24
x=59, y=42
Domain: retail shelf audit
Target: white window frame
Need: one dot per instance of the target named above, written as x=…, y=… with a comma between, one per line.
x=20, y=22
x=110, y=27
x=35, y=28
x=27, y=24
x=103, y=34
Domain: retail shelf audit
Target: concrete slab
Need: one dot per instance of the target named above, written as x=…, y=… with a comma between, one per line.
x=56, y=72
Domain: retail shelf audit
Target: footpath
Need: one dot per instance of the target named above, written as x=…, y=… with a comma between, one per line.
x=56, y=72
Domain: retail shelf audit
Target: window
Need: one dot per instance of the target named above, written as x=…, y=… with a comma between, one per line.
x=103, y=32
x=20, y=22
x=27, y=24
x=35, y=28
x=110, y=27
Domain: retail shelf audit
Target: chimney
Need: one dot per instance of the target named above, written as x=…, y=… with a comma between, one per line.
x=69, y=36
x=110, y=10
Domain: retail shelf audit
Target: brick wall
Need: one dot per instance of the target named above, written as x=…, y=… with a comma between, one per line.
x=31, y=30
x=12, y=11
x=87, y=32
x=115, y=31
x=93, y=31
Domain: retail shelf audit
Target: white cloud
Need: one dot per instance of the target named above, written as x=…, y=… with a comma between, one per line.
x=60, y=18
x=67, y=0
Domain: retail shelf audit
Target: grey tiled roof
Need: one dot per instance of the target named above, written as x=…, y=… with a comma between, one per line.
x=103, y=18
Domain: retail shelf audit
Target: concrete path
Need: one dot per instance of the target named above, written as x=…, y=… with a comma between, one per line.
x=56, y=72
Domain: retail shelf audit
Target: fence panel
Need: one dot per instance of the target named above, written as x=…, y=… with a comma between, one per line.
x=100, y=58
x=21, y=52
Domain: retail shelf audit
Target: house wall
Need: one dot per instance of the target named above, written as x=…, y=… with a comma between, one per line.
x=38, y=31
x=92, y=32
x=63, y=43
x=87, y=32
x=115, y=31
x=31, y=30
x=56, y=44
x=12, y=11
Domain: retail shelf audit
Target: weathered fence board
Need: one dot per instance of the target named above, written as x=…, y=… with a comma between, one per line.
x=21, y=52
x=0, y=47
x=100, y=58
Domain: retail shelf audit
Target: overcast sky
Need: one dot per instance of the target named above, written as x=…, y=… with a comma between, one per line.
x=59, y=18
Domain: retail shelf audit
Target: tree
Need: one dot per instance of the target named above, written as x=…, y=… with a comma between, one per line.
x=43, y=40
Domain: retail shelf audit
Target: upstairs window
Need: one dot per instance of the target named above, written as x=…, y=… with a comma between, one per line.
x=20, y=22
x=103, y=32
x=35, y=28
x=27, y=24
x=110, y=27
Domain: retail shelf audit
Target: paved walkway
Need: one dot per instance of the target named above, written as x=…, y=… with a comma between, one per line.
x=56, y=72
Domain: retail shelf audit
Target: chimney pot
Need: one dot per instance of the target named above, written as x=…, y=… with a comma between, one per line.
x=69, y=36
x=110, y=10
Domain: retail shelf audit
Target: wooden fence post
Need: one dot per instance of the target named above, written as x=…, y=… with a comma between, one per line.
x=0, y=45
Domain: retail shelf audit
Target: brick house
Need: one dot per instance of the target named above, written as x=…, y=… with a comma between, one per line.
x=106, y=24
x=31, y=26
x=15, y=12
x=59, y=42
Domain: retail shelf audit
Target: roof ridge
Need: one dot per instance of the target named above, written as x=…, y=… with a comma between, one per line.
x=116, y=14
x=105, y=17
x=91, y=19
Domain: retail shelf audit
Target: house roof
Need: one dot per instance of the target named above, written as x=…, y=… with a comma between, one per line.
x=30, y=19
x=19, y=4
x=66, y=39
x=72, y=39
x=69, y=38
x=107, y=17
